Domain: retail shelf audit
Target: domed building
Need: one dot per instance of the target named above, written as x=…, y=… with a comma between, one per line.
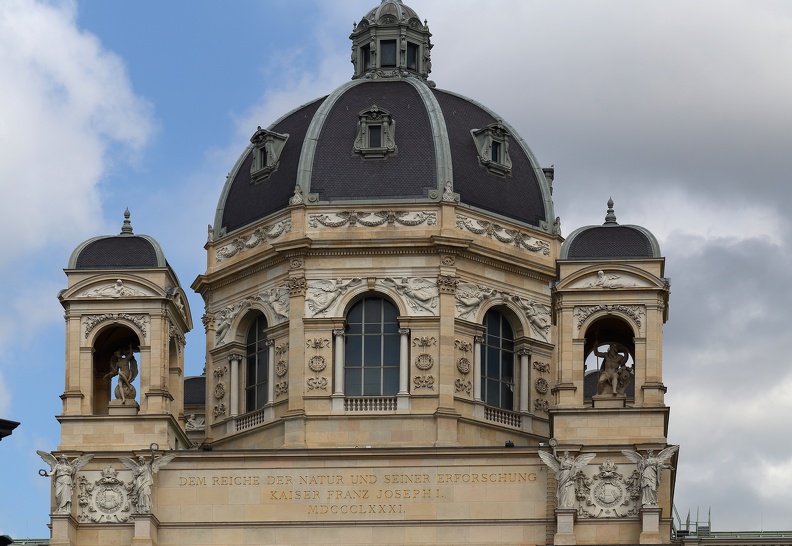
x=396, y=343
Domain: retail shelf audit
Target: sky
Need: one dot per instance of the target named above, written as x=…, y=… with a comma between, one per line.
x=677, y=109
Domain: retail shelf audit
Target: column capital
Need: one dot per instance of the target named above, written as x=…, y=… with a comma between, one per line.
x=404, y=331
x=338, y=332
x=235, y=356
x=269, y=343
x=524, y=352
x=478, y=339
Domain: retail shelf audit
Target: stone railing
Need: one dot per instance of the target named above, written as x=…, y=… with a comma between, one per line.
x=370, y=403
x=503, y=417
x=250, y=420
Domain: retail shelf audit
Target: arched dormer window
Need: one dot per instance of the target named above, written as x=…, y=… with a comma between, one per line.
x=371, y=351
x=497, y=367
x=257, y=365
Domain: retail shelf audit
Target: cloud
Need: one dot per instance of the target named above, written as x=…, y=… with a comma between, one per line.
x=66, y=103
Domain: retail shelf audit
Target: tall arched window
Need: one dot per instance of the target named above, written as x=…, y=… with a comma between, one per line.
x=257, y=370
x=371, y=356
x=497, y=367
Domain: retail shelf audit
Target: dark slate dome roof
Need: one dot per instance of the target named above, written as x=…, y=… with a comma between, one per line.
x=195, y=390
x=319, y=153
x=434, y=145
x=123, y=251
x=610, y=241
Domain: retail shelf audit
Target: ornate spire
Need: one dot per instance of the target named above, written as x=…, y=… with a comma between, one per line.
x=610, y=218
x=126, y=229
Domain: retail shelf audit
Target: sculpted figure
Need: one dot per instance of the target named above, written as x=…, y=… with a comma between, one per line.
x=63, y=472
x=277, y=299
x=469, y=297
x=322, y=294
x=225, y=318
x=448, y=193
x=143, y=479
x=123, y=365
x=614, y=361
x=537, y=314
x=297, y=198
x=195, y=423
x=650, y=469
x=421, y=294
x=565, y=469
x=606, y=281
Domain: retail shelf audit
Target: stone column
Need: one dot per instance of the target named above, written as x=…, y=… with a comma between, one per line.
x=477, y=342
x=234, y=359
x=403, y=396
x=338, y=371
x=525, y=357
x=270, y=344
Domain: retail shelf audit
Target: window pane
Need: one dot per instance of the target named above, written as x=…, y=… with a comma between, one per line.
x=388, y=52
x=356, y=328
x=391, y=349
x=375, y=136
x=372, y=351
x=493, y=388
x=493, y=363
x=366, y=50
x=496, y=152
x=412, y=56
x=507, y=398
x=354, y=351
x=507, y=367
x=389, y=312
x=390, y=381
x=373, y=311
x=261, y=395
x=506, y=333
x=372, y=381
x=250, y=377
x=356, y=313
x=375, y=328
x=352, y=383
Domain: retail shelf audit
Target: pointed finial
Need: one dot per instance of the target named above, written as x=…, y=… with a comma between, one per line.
x=610, y=218
x=126, y=229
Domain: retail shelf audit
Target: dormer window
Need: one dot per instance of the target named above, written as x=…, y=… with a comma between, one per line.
x=267, y=147
x=412, y=56
x=376, y=133
x=492, y=145
x=388, y=53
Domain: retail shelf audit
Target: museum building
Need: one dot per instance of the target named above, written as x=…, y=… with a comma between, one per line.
x=396, y=343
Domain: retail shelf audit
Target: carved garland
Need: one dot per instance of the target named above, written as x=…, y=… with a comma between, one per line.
x=91, y=321
x=281, y=369
x=259, y=236
x=635, y=312
x=499, y=233
x=373, y=219
x=317, y=364
x=462, y=384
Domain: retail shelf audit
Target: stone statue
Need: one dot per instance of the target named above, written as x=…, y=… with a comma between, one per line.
x=143, y=478
x=606, y=281
x=297, y=198
x=123, y=365
x=565, y=470
x=650, y=469
x=117, y=290
x=615, y=359
x=63, y=473
x=323, y=294
x=448, y=193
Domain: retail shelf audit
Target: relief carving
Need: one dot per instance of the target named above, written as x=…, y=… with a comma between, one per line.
x=373, y=219
x=117, y=290
x=499, y=233
x=566, y=470
x=421, y=295
x=322, y=295
x=608, y=281
x=261, y=235
x=277, y=301
x=296, y=286
x=91, y=321
x=635, y=312
x=63, y=473
x=447, y=283
x=538, y=316
x=469, y=298
x=106, y=500
x=225, y=317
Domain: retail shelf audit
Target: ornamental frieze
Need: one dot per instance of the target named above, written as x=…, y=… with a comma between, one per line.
x=259, y=236
x=502, y=234
x=372, y=219
x=92, y=321
x=635, y=312
x=420, y=295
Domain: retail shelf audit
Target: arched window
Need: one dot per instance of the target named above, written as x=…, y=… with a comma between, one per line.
x=497, y=367
x=371, y=355
x=257, y=370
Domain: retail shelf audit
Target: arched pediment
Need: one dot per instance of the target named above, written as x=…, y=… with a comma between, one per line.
x=610, y=277
x=114, y=286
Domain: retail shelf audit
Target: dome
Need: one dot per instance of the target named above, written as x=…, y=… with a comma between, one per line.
x=387, y=136
x=123, y=251
x=610, y=241
x=394, y=8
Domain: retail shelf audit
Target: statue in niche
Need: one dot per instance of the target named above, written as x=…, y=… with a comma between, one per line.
x=123, y=365
x=143, y=478
x=195, y=423
x=614, y=372
x=650, y=469
x=565, y=468
x=63, y=473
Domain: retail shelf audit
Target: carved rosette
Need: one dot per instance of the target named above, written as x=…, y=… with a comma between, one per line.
x=106, y=500
x=296, y=263
x=448, y=260
x=462, y=384
x=259, y=236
